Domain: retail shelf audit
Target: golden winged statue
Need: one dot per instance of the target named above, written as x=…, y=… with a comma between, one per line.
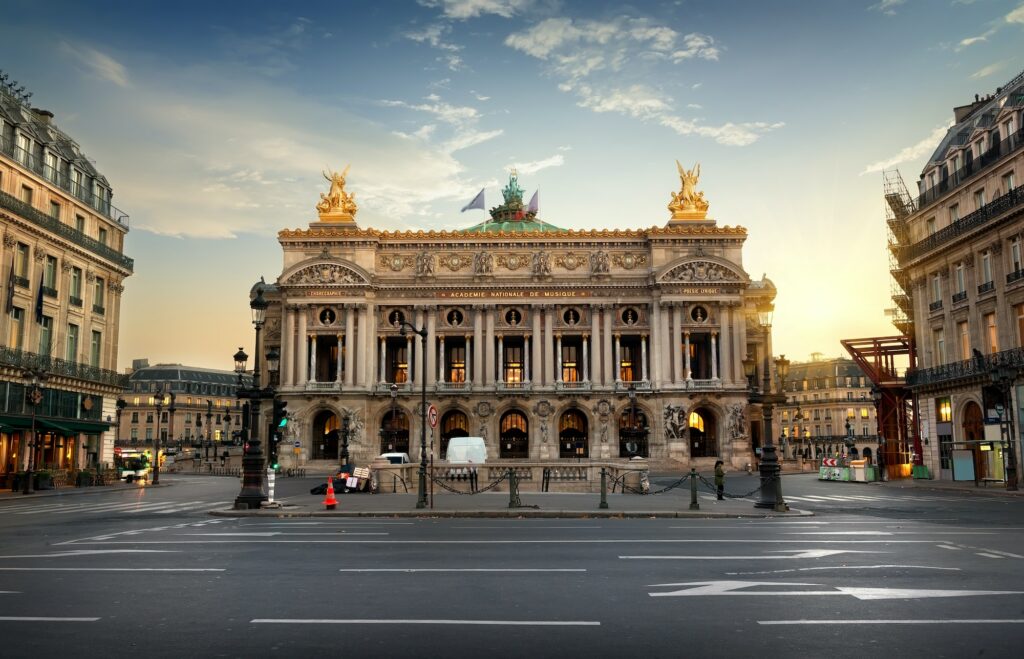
x=337, y=204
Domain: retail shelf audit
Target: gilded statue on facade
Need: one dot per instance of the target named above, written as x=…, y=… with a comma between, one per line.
x=689, y=202
x=337, y=204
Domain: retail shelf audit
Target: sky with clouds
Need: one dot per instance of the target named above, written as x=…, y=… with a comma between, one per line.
x=213, y=121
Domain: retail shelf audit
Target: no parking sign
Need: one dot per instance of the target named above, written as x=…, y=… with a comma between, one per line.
x=432, y=416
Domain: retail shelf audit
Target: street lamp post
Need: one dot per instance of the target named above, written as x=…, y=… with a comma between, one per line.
x=1004, y=375
x=226, y=419
x=253, y=492
x=33, y=397
x=209, y=424
x=120, y=405
x=771, y=481
x=199, y=436
x=159, y=401
x=421, y=499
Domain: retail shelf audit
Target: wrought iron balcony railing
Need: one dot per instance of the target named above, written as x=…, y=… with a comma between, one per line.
x=63, y=181
x=44, y=221
x=935, y=306
x=970, y=369
x=987, y=287
x=959, y=297
x=13, y=357
x=997, y=153
x=1016, y=275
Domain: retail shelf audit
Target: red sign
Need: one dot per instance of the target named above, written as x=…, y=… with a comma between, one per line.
x=432, y=416
x=830, y=462
x=117, y=450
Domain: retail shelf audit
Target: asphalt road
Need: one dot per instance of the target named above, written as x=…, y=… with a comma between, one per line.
x=149, y=572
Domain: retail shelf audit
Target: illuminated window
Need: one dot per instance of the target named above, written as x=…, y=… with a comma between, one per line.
x=696, y=421
x=570, y=372
x=513, y=363
x=945, y=410
x=457, y=364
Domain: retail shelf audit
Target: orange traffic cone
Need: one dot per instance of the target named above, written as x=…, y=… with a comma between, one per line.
x=329, y=501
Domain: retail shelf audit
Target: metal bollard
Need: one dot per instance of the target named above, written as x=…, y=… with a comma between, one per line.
x=513, y=490
x=693, y=489
x=604, y=490
x=271, y=476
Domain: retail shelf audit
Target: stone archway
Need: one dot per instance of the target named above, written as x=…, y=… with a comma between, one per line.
x=325, y=435
x=394, y=432
x=703, y=431
x=514, y=435
x=573, y=435
x=454, y=423
x=974, y=433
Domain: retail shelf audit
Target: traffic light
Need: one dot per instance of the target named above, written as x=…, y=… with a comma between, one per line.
x=280, y=414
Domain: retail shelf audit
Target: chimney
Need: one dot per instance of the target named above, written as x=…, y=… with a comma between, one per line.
x=44, y=116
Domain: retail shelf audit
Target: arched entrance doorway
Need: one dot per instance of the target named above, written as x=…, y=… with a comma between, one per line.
x=633, y=433
x=703, y=433
x=325, y=435
x=572, y=435
x=453, y=424
x=974, y=433
x=394, y=432
x=514, y=435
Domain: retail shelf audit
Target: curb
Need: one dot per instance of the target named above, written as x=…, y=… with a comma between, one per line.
x=513, y=514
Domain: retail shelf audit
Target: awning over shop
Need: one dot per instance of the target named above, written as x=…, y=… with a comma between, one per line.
x=62, y=426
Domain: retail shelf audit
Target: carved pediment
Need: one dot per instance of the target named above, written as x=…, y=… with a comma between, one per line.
x=702, y=271
x=325, y=274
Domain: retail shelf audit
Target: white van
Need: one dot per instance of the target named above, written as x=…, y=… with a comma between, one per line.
x=466, y=450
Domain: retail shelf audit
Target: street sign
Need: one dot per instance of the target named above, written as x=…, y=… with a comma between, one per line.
x=830, y=462
x=297, y=444
x=432, y=416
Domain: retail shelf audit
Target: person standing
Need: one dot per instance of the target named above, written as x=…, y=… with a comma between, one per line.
x=720, y=478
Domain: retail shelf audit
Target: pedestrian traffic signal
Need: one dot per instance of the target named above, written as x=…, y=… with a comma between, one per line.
x=280, y=413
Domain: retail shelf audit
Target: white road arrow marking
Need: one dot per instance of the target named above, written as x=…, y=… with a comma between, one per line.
x=703, y=588
x=787, y=554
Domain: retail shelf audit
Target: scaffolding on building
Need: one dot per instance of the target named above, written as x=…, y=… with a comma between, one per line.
x=885, y=360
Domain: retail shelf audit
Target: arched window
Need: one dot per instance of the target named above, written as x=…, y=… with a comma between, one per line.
x=514, y=435
x=572, y=435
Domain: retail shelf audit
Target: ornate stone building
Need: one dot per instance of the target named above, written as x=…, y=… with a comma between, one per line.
x=552, y=344
x=63, y=266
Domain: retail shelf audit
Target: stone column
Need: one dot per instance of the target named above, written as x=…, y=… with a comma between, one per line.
x=678, y=375
x=410, y=359
x=586, y=360
x=595, y=344
x=665, y=343
x=526, y=358
x=303, y=340
x=288, y=347
x=643, y=357
x=342, y=350
x=470, y=364
x=549, y=343
x=725, y=315
x=489, y=346
x=714, y=355
x=686, y=353
x=478, y=347
x=431, y=345
x=501, y=359
x=606, y=338
x=656, y=340
x=443, y=364
x=618, y=358
x=364, y=336
x=312, y=358
x=558, y=358
x=350, y=345
x=383, y=358
x=538, y=344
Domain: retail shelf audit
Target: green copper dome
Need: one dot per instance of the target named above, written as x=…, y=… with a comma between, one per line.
x=512, y=216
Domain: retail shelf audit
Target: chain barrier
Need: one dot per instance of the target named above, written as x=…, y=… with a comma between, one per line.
x=489, y=487
x=714, y=488
x=624, y=488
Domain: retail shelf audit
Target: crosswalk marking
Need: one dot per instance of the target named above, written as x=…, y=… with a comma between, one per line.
x=113, y=508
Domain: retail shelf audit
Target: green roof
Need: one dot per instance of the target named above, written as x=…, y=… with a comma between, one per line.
x=512, y=226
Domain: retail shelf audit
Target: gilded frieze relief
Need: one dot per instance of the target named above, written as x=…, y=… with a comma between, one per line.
x=323, y=274
x=513, y=261
x=455, y=262
x=396, y=262
x=629, y=261
x=571, y=261
x=701, y=271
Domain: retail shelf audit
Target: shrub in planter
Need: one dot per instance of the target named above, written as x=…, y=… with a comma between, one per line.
x=83, y=478
x=44, y=480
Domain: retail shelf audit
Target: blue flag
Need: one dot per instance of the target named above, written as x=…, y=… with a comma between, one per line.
x=534, y=204
x=478, y=202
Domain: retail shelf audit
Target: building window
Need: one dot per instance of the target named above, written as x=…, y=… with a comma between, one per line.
x=72, y=351
x=135, y=417
x=21, y=261
x=45, y=336
x=26, y=194
x=98, y=295
x=570, y=372
x=50, y=273
x=149, y=434
x=954, y=213
x=986, y=268
x=103, y=236
x=960, y=287
x=55, y=210
x=864, y=413
x=944, y=409
x=936, y=292
x=1008, y=182
x=79, y=224
x=930, y=225
x=513, y=363
x=990, y=332
x=965, y=339
x=979, y=198
x=1015, y=254
x=939, y=339
x=17, y=329
x=1019, y=311
x=457, y=364
x=94, y=349
x=75, y=294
